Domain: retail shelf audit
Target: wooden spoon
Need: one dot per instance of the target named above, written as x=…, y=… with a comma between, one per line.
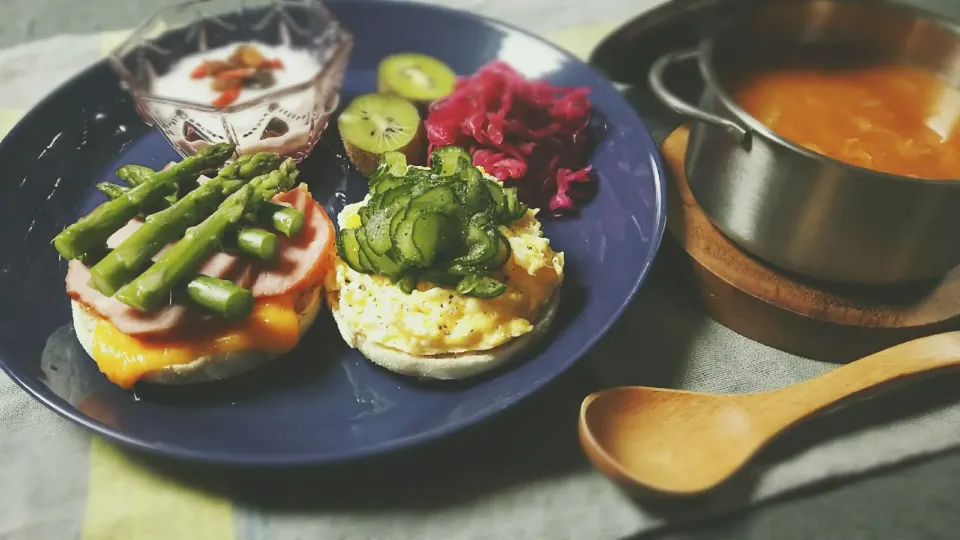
x=685, y=443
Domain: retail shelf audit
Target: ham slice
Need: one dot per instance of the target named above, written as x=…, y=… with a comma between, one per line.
x=220, y=265
x=175, y=317
x=300, y=264
x=127, y=319
x=301, y=260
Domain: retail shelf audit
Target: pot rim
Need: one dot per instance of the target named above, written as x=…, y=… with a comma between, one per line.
x=708, y=72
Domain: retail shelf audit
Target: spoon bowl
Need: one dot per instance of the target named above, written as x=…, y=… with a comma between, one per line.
x=671, y=460
x=686, y=443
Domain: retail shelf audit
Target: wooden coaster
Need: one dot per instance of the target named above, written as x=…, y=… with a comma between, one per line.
x=815, y=320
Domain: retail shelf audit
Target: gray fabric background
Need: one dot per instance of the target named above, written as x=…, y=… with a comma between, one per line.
x=912, y=500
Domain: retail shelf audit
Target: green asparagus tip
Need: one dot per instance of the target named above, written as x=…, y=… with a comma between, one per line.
x=224, y=297
x=253, y=242
x=91, y=232
x=256, y=164
x=112, y=191
x=238, y=305
x=288, y=166
x=134, y=175
x=288, y=221
x=218, y=150
x=64, y=245
x=153, y=286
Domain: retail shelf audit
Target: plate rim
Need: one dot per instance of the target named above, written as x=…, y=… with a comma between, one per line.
x=284, y=460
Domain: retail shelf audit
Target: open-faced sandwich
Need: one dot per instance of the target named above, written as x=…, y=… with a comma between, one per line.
x=197, y=272
x=441, y=272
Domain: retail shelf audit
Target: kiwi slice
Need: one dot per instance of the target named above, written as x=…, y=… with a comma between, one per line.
x=417, y=77
x=376, y=123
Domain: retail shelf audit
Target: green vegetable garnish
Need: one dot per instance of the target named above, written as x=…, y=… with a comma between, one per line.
x=230, y=212
x=440, y=224
x=283, y=219
x=151, y=288
x=133, y=254
x=91, y=232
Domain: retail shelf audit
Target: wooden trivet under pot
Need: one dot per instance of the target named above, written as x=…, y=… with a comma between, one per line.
x=815, y=320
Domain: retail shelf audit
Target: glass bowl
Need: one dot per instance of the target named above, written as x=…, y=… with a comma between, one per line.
x=287, y=117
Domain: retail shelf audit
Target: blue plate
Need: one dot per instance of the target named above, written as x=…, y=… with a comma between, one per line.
x=324, y=402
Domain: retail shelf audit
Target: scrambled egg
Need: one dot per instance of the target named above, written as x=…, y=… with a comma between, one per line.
x=436, y=320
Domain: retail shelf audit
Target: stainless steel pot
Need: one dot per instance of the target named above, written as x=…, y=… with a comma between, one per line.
x=797, y=209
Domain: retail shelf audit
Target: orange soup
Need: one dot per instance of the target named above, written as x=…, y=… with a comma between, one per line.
x=892, y=118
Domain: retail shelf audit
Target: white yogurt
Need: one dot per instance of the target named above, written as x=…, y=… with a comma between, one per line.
x=246, y=125
x=299, y=66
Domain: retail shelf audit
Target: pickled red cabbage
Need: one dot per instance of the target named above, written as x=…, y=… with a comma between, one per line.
x=528, y=134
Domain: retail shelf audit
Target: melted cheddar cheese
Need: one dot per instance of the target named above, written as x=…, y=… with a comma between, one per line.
x=272, y=327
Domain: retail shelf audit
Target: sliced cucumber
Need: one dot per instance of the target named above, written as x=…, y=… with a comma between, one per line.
x=388, y=196
x=431, y=235
x=515, y=208
x=349, y=249
x=381, y=264
x=403, y=241
x=450, y=160
x=480, y=286
x=408, y=283
x=364, y=214
x=378, y=229
x=365, y=262
x=392, y=164
x=502, y=255
x=496, y=194
x=395, y=223
x=422, y=235
x=487, y=287
x=386, y=184
x=417, y=175
x=483, y=219
x=441, y=199
x=440, y=277
x=440, y=224
x=476, y=195
x=481, y=246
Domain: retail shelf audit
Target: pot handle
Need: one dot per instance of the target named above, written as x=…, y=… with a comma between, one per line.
x=682, y=107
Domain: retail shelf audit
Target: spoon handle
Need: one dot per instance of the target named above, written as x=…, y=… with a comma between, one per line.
x=902, y=361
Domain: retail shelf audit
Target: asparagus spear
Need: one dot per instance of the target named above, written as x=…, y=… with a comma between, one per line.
x=152, y=288
x=111, y=190
x=251, y=241
x=283, y=219
x=226, y=298
x=133, y=254
x=91, y=231
x=280, y=218
x=134, y=174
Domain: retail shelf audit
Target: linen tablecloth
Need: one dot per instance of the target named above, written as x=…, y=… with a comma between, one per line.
x=520, y=477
